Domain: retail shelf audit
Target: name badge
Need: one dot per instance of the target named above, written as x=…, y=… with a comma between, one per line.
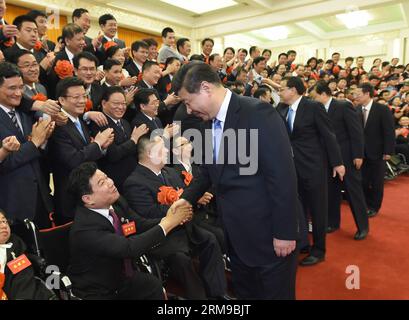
x=19, y=264
x=129, y=228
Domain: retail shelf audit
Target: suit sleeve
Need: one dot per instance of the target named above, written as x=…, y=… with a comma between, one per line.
x=324, y=126
x=277, y=167
x=27, y=153
x=388, y=132
x=117, y=152
x=199, y=185
x=355, y=131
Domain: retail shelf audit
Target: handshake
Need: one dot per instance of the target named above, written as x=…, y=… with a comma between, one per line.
x=179, y=213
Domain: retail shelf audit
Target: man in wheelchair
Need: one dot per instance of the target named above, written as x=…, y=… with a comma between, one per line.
x=17, y=280
x=106, y=235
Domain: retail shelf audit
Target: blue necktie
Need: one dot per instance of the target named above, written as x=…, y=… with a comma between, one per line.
x=290, y=119
x=217, y=135
x=79, y=128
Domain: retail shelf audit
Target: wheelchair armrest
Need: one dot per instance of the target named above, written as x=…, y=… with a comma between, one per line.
x=39, y=264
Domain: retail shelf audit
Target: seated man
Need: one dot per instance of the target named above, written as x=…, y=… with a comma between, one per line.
x=205, y=212
x=20, y=285
x=100, y=254
x=71, y=144
x=141, y=190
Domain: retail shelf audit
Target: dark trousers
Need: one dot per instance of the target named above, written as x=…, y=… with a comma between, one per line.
x=275, y=281
x=210, y=223
x=352, y=185
x=373, y=173
x=142, y=286
x=314, y=199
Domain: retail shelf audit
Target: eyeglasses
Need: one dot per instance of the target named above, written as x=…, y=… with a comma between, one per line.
x=29, y=66
x=5, y=222
x=77, y=98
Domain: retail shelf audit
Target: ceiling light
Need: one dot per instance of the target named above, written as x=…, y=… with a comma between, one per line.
x=274, y=33
x=354, y=19
x=200, y=7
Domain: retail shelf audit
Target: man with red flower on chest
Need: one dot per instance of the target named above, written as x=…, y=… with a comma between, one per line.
x=145, y=193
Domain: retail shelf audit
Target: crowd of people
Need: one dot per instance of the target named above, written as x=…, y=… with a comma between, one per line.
x=88, y=135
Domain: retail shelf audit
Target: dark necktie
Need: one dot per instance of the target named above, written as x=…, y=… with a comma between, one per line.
x=162, y=178
x=15, y=122
x=121, y=127
x=155, y=123
x=128, y=269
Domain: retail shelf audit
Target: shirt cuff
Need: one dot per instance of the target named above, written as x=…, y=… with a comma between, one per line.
x=164, y=232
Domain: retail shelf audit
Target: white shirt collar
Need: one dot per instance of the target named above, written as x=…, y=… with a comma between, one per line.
x=6, y=109
x=73, y=119
x=149, y=117
x=221, y=116
x=294, y=106
x=69, y=54
x=104, y=213
x=23, y=48
x=139, y=66
x=109, y=39
x=114, y=120
x=3, y=255
x=149, y=86
x=188, y=167
x=369, y=106
x=328, y=104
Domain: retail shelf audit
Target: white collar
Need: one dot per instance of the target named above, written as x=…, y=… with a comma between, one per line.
x=109, y=39
x=104, y=213
x=7, y=109
x=73, y=119
x=369, y=105
x=221, y=116
x=188, y=167
x=3, y=255
x=294, y=106
x=69, y=54
x=116, y=121
x=149, y=86
x=23, y=48
x=328, y=104
x=139, y=66
x=149, y=117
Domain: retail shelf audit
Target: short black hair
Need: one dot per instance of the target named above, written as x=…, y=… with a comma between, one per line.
x=266, y=50
x=166, y=31
x=323, y=87
x=207, y=39
x=262, y=91
x=291, y=52
x=19, y=53
x=297, y=83
x=244, y=50
x=229, y=48
x=367, y=88
x=335, y=53
x=257, y=60
x=105, y=18
x=65, y=84
x=84, y=55
x=282, y=54
x=70, y=30
x=196, y=57
x=77, y=13
x=177, y=80
x=138, y=44
x=79, y=180
x=213, y=56
x=197, y=74
x=18, y=21
x=109, y=63
x=252, y=49
x=150, y=42
x=181, y=42
x=169, y=61
x=385, y=63
x=36, y=13
x=349, y=59
x=7, y=71
x=111, y=51
x=109, y=91
x=149, y=64
x=142, y=96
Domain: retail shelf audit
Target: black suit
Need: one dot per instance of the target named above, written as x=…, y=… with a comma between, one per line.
x=132, y=69
x=314, y=145
x=121, y=157
x=90, y=48
x=11, y=52
x=97, y=91
x=67, y=151
x=21, y=176
x=350, y=137
x=52, y=78
x=119, y=42
x=140, y=118
x=141, y=190
x=256, y=207
x=97, y=255
x=379, y=140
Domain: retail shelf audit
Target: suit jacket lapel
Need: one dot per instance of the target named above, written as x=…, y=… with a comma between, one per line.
x=332, y=107
x=25, y=122
x=72, y=129
x=298, y=115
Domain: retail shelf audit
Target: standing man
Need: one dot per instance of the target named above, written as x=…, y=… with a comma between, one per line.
x=350, y=138
x=314, y=146
x=259, y=209
x=379, y=145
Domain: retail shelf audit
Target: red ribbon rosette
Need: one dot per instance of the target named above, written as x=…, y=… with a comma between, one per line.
x=39, y=97
x=188, y=178
x=88, y=105
x=38, y=46
x=2, y=280
x=168, y=195
x=109, y=44
x=64, y=69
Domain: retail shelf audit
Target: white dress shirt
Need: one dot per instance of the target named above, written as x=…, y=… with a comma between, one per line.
x=3, y=255
x=7, y=110
x=69, y=54
x=221, y=116
x=328, y=104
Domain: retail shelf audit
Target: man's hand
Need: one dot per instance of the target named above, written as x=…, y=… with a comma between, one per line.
x=176, y=216
x=130, y=95
x=127, y=82
x=181, y=203
x=283, y=248
x=386, y=157
x=60, y=119
x=171, y=100
x=98, y=117
x=105, y=138
x=205, y=199
x=139, y=132
x=40, y=131
x=10, y=144
x=100, y=75
x=96, y=42
x=9, y=30
x=340, y=170
x=50, y=107
x=171, y=130
x=358, y=163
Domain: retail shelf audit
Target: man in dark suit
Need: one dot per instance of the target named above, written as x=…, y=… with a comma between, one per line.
x=42, y=24
x=7, y=31
x=142, y=190
x=350, y=137
x=139, y=52
x=109, y=27
x=100, y=252
x=314, y=145
x=121, y=158
x=379, y=145
x=20, y=173
x=257, y=200
x=71, y=144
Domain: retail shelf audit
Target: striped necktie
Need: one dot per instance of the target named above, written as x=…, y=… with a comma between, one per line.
x=15, y=122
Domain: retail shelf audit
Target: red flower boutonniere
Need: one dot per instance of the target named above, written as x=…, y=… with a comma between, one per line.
x=88, y=105
x=64, y=69
x=39, y=97
x=38, y=46
x=109, y=44
x=188, y=178
x=168, y=195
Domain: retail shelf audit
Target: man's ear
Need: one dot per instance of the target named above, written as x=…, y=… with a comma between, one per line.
x=205, y=87
x=87, y=199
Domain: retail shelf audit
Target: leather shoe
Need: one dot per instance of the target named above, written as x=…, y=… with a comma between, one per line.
x=311, y=260
x=361, y=235
x=372, y=213
x=332, y=229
